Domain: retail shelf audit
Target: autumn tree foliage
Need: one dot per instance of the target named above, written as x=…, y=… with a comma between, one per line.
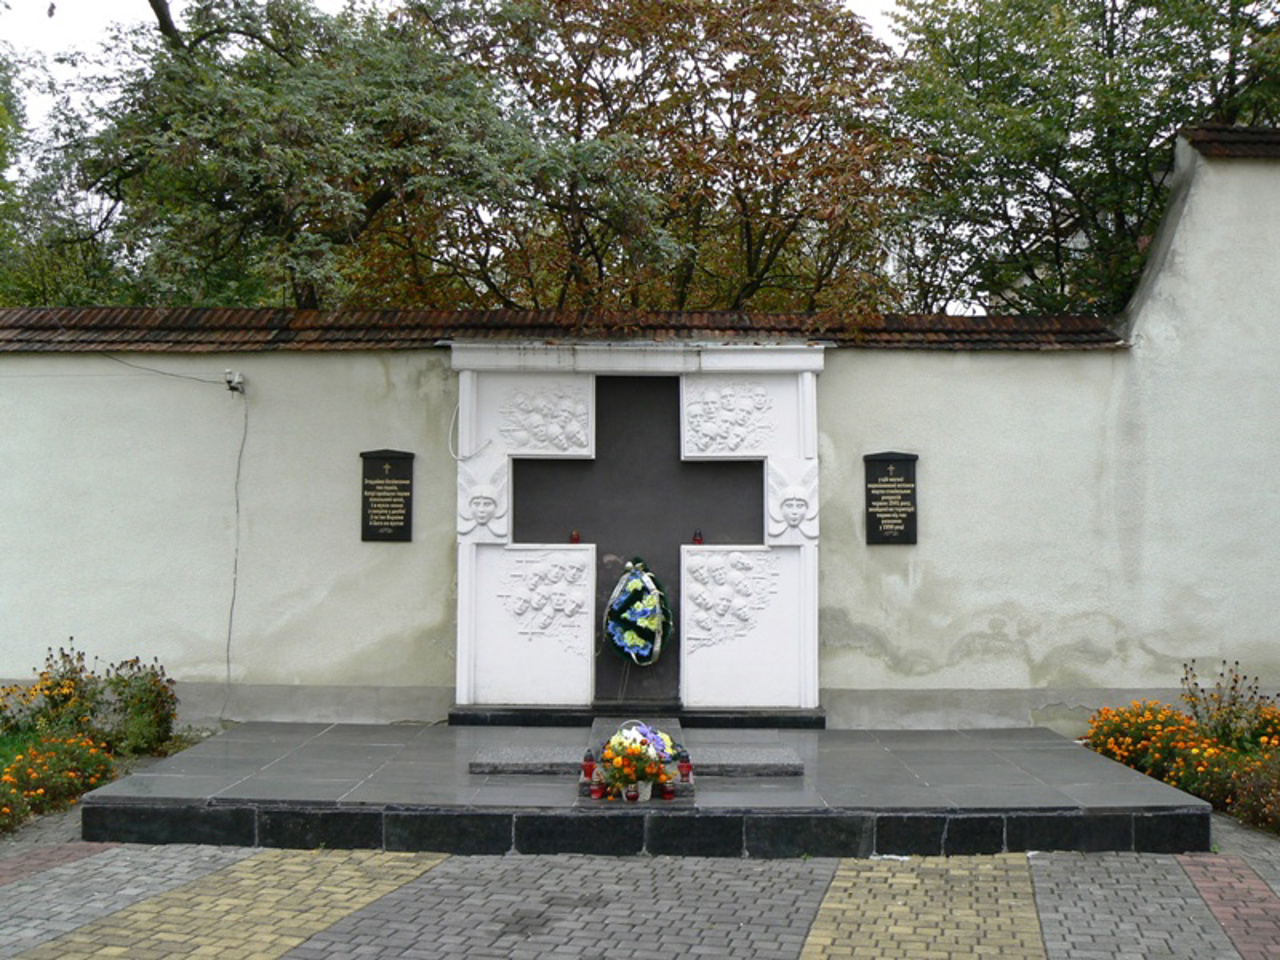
x=693, y=156
x=554, y=154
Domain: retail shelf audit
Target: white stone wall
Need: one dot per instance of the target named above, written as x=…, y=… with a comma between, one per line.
x=1087, y=521
x=118, y=517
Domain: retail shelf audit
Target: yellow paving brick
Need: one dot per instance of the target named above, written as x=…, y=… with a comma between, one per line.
x=940, y=908
x=279, y=899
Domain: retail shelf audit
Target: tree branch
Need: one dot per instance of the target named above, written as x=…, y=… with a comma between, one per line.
x=165, y=20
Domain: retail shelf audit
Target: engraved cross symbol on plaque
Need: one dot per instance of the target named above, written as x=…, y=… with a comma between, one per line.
x=638, y=498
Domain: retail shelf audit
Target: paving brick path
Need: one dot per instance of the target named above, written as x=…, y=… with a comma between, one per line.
x=1123, y=906
x=70, y=899
x=1240, y=900
x=921, y=909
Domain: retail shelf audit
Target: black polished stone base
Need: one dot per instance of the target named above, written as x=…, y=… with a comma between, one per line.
x=624, y=831
x=499, y=716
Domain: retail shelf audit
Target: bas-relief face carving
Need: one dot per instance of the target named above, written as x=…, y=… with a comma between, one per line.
x=482, y=506
x=545, y=595
x=483, y=509
x=732, y=590
x=794, y=509
x=551, y=417
x=728, y=419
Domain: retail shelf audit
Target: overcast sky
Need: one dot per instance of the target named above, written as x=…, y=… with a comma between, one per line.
x=82, y=24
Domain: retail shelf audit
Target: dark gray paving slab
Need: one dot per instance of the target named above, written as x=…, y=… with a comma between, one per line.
x=757, y=792
x=394, y=734
x=210, y=766
x=746, y=760
x=275, y=732
x=1008, y=797
x=1016, y=788
x=287, y=788
x=146, y=787
x=458, y=795
x=973, y=774
x=534, y=759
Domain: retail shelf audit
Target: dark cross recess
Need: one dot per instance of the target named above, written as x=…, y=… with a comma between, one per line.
x=638, y=498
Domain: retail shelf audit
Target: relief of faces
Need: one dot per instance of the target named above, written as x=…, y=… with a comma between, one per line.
x=575, y=435
x=724, y=601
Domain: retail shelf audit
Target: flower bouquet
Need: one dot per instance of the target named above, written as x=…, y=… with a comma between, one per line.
x=635, y=758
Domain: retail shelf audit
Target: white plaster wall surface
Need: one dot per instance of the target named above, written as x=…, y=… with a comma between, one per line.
x=1086, y=520
x=118, y=515
x=1206, y=351
x=1010, y=581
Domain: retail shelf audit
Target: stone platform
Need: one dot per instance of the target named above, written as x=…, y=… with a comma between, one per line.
x=860, y=793
x=564, y=757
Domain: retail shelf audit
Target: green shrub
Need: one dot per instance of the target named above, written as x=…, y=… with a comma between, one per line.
x=1233, y=711
x=132, y=707
x=141, y=707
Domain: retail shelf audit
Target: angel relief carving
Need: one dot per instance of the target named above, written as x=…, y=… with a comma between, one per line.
x=482, y=505
x=793, y=506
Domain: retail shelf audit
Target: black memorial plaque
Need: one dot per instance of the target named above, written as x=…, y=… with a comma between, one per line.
x=891, y=497
x=386, y=495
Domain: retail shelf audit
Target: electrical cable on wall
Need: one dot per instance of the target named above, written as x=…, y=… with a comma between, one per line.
x=235, y=383
x=453, y=440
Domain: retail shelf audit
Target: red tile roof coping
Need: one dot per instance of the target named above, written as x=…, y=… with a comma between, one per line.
x=208, y=330
x=1224, y=140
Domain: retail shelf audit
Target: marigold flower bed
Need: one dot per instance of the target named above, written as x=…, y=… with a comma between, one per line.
x=1225, y=749
x=50, y=774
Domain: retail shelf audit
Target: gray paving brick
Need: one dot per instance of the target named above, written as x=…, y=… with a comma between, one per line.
x=1259, y=849
x=591, y=907
x=48, y=904
x=1109, y=905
